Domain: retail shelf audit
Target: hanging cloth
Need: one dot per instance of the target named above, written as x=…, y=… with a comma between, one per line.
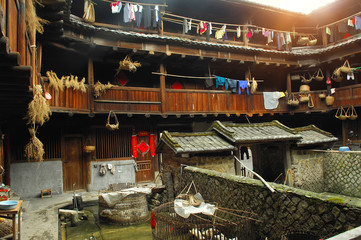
x=328, y=30
x=242, y=84
x=244, y=150
x=232, y=84
x=350, y=23
x=210, y=28
x=221, y=81
x=269, y=38
x=147, y=16
x=288, y=38
x=238, y=32
x=357, y=22
x=116, y=7
x=132, y=13
x=342, y=27
x=126, y=12
x=156, y=16
x=209, y=82
x=249, y=34
x=225, y=37
x=190, y=25
x=185, y=27
x=219, y=34
x=138, y=15
x=266, y=33
x=271, y=100
x=202, y=27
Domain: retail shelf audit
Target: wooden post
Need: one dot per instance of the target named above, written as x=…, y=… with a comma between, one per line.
x=162, y=89
x=21, y=33
x=289, y=86
x=90, y=84
x=245, y=39
x=324, y=37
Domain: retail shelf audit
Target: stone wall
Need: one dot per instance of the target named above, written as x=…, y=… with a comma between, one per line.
x=343, y=173
x=287, y=210
x=124, y=172
x=327, y=171
x=29, y=178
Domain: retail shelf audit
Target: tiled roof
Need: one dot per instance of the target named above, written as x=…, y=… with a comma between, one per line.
x=194, y=142
x=313, y=135
x=301, y=52
x=255, y=132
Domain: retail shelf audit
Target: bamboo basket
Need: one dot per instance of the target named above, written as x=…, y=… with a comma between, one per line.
x=346, y=67
x=351, y=113
x=330, y=100
x=341, y=113
x=318, y=76
x=336, y=75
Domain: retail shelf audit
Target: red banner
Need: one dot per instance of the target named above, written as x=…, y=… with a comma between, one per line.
x=134, y=146
x=143, y=133
x=152, y=144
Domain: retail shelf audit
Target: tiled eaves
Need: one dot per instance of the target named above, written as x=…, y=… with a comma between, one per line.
x=313, y=135
x=155, y=37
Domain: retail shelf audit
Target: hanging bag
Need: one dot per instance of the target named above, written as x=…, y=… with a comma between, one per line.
x=341, y=113
x=310, y=101
x=351, y=113
x=114, y=126
x=89, y=14
x=346, y=67
x=318, y=76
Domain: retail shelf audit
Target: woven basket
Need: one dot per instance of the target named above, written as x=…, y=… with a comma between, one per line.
x=346, y=67
x=330, y=100
x=341, y=113
x=114, y=126
x=336, y=75
x=318, y=76
x=304, y=88
x=293, y=101
x=89, y=148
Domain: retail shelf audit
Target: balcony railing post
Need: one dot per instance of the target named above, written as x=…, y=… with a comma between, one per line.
x=162, y=88
x=21, y=32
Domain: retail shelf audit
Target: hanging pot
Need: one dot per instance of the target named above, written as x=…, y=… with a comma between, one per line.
x=329, y=100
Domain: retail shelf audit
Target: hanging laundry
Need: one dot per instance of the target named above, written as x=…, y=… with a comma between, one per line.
x=244, y=150
x=209, y=82
x=333, y=36
x=221, y=81
x=185, y=27
x=232, y=84
x=282, y=39
x=190, y=25
x=202, y=27
x=271, y=100
x=249, y=34
x=242, y=84
x=263, y=31
x=138, y=15
x=126, y=12
x=269, y=38
x=266, y=33
x=147, y=16
x=197, y=28
x=219, y=34
x=156, y=16
x=279, y=45
x=357, y=22
x=132, y=13
x=116, y=7
x=350, y=76
x=350, y=23
x=239, y=32
x=288, y=38
x=210, y=28
x=328, y=31
x=225, y=37
x=342, y=27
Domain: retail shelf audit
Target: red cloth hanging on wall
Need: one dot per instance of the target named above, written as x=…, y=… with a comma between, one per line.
x=134, y=146
x=152, y=144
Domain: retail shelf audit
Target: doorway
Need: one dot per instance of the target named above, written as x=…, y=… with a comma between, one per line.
x=73, y=163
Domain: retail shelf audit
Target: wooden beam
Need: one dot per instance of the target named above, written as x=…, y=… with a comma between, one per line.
x=21, y=33
x=162, y=89
x=289, y=86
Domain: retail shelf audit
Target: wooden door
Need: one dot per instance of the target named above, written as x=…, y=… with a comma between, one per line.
x=145, y=162
x=73, y=165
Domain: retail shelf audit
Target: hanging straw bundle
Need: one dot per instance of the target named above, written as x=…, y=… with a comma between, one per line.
x=89, y=14
x=34, y=150
x=38, y=110
x=33, y=22
x=254, y=86
x=100, y=88
x=55, y=82
x=128, y=64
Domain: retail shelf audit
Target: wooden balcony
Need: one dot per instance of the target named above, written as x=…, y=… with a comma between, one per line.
x=132, y=100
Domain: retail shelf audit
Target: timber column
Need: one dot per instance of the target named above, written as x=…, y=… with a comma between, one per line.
x=162, y=88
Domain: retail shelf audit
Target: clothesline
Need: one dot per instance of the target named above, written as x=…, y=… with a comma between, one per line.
x=230, y=24
x=137, y=3
x=183, y=76
x=346, y=18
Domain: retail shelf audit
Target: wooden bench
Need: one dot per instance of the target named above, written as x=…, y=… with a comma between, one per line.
x=46, y=191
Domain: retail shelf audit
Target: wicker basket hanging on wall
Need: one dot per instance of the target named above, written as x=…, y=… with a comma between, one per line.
x=112, y=126
x=318, y=76
x=351, y=113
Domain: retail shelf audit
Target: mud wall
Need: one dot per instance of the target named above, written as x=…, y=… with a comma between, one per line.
x=285, y=211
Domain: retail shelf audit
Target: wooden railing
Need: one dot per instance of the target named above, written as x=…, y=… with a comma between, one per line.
x=147, y=101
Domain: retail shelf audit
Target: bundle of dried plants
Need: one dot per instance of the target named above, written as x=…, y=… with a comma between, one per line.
x=55, y=82
x=254, y=86
x=128, y=64
x=100, y=88
x=33, y=22
x=38, y=109
x=34, y=150
x=66, y=81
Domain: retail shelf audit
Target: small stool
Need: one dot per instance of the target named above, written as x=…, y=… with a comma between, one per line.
x=46, y=191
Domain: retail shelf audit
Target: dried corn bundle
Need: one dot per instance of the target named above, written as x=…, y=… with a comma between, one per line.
x=100, y=88
x=82, y=86
x=34, y=150
x=38, y=110
x=55, y=82
x=254, y=86
x=128, y=64
x=33, y=22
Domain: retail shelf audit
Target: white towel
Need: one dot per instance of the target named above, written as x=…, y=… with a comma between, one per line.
x=271, y=99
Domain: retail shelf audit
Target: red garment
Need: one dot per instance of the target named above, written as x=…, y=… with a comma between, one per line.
x=346, y=35
x=203, y=27
x=152, y=220
x=122, y=78
x=177, y=85
x=249, y=34
x=353, y=21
